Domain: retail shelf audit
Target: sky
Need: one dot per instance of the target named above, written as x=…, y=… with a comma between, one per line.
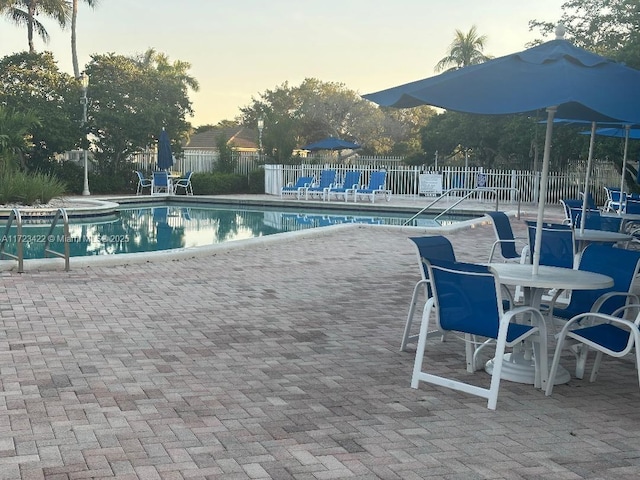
x=239, y=49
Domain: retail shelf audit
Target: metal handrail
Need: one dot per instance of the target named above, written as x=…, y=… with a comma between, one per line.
x=60, y=213
x=470, y=192
x=13, y=216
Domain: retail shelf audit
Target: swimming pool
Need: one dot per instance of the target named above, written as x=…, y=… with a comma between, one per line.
x=151, y=228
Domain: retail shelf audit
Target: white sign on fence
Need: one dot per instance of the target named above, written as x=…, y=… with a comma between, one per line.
x=430, y=184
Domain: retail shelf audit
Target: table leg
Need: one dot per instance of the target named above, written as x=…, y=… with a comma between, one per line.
x=519, y=365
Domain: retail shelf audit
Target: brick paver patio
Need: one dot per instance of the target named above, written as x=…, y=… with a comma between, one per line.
x=280, y=361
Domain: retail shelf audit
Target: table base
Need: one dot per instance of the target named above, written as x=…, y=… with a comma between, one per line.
x=515, y=368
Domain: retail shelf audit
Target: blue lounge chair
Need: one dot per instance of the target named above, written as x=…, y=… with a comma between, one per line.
x=466, y=299
x=376, y=187
x=327, y=179
x=298, y=188
x=185, y=184
x=504, y=237
x=142, y=183
x=349, y=185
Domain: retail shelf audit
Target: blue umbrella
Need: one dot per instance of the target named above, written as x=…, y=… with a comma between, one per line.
x=165, y=157
x=331, y=143
x=555, y=76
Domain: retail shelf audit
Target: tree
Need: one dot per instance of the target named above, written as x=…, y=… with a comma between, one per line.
x=15, y=137
x=130, y=100
x=74, y=20
x=24, y=12
x=294, y=116
x=32, y=82
x=608, y=27
x=466, y=49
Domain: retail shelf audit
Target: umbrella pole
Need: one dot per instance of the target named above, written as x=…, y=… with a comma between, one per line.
x=587, y=178
x=551, y=111
x=624, y=163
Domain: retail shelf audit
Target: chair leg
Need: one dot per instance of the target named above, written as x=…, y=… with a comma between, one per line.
x=407, y=328
x=422, y=343
x=581, y=360
x=555, y=364
x=596, y=367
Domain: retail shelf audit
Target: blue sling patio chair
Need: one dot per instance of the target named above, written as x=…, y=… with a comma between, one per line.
x=142, y=183
x=622, y=266
x=505, y=238
x=349, y=184
x=376, y=187
x=612, y=334
x=327, y=179
x=434, y=247
x=558, y=246
x=467, y=299
x=185, y=184
x=161, y=183
x=298, y=188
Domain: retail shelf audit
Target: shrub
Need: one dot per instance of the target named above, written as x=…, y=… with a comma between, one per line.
x=25, y=189
x=256, y=181
x=218, y=183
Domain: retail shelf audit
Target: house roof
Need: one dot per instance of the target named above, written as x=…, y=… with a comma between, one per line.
x=237, y=136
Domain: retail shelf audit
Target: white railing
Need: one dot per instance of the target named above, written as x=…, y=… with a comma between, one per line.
x=198, y=161
x=512, y=185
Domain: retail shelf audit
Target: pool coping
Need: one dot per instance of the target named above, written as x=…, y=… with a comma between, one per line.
x=104, y=206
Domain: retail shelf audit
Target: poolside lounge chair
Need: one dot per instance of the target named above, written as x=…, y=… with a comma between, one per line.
x=466, y=299
x=184, y=183
x=349, y=184
x=327, y=179
x=142, y=183
x=376, y=187
x=297, y=189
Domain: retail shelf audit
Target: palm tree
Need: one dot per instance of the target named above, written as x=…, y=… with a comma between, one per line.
x=74, y=18
x=466, y=49
x=23, y=12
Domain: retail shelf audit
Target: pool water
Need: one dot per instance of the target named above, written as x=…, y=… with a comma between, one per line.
x=154, y=228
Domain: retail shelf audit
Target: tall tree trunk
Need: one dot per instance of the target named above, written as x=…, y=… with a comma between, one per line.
x=32, y=13
x=74, y=51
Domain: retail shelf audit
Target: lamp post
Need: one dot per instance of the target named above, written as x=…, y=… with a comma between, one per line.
x=260, y=127
x=84, y=79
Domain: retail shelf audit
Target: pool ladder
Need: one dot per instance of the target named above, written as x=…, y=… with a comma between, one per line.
x=16, y=217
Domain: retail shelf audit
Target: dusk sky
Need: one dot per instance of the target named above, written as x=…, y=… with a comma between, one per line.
x=240, y=49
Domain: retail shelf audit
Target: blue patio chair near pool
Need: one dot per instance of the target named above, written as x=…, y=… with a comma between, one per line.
x=161, y=183
x=349, y=184
x=298, y=188
x=185, y=184
x=142, y=183
x=505, y=238
x=434, y=247
x=467, y=299
x=618, y=263
x=558, y=247
x=610, y=334
x=327, y=179
x=376, y=187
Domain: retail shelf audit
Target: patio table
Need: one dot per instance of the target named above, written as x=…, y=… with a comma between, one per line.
x=587, y=236
x=518, y=366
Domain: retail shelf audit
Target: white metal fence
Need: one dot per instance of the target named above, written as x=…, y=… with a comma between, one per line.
x=405, y=180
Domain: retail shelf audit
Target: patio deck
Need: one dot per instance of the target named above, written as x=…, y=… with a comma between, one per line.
x=280, y=360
